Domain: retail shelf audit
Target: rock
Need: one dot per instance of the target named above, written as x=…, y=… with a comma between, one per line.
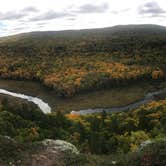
x=60, y=145
x=52, y=153
x=45, y=153
x=45, y=158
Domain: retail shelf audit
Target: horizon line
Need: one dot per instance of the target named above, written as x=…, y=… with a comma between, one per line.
x=80, y=29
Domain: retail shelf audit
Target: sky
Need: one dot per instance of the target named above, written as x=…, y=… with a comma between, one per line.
x=18, y=16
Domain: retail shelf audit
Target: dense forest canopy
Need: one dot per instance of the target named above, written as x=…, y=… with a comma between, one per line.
x=74, y=61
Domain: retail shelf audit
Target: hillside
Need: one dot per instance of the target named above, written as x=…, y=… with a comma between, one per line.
x=112, y=137
x=71, y=62
x=128, y=38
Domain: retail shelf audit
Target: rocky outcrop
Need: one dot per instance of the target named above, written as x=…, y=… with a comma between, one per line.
x=45, y=153
x=59, y=145
x=52, y=153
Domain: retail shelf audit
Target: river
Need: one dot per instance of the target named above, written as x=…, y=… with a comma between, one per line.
x=47, y=100
x=148, y=98
x=44, y=107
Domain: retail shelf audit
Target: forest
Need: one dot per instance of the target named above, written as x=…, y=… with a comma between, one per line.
x=71, y=75
x=80, y=61
x=115, y=133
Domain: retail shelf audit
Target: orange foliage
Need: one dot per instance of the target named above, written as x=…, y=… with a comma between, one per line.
x=73, y=116
x=69, y=75
x=156, y=74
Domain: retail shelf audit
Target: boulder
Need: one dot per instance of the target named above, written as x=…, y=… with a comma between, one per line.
x=59, y=145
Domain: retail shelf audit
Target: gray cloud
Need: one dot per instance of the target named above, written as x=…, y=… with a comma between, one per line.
x=91, y=8
x=14, y=15
x=120, y=11
x=11, y=15
x=41, y=23
x=49, y=16
x=87, y=8
x=20, y=28
x=71, y=18
x=30, y=9
x=151, y=8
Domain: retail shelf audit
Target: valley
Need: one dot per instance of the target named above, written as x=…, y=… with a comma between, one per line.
x=101, y=92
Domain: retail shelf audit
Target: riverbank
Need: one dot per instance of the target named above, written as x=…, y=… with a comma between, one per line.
x=147, y=98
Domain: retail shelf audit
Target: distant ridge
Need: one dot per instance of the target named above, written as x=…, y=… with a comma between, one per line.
x=123, y=38
x=112, y=29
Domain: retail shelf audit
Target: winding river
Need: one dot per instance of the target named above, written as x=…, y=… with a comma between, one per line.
x=148, y=98
x=45, y=108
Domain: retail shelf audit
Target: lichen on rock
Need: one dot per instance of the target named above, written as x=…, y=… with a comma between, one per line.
x=60, y=145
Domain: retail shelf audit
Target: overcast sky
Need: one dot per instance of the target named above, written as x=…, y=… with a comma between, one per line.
x=17, y=16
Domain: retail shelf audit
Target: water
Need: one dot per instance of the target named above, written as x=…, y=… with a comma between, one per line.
x=148, y=97
x=44, y=107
